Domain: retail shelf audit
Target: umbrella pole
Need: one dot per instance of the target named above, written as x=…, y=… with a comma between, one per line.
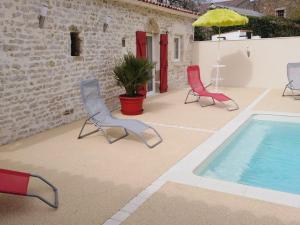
x=219, y=38
x=218, y=63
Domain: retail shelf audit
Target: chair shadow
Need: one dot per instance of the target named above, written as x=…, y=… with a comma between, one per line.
x=168, y=208
x=82, y=199
x=42, y=136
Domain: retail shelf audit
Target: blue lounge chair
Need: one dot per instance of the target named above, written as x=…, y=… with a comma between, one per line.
x=100, y=116
x=293, y=74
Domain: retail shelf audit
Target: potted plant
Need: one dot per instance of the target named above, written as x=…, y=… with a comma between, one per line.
x=130, y=73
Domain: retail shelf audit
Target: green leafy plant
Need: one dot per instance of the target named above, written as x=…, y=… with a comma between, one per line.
x=266, y=27
x=131, y=72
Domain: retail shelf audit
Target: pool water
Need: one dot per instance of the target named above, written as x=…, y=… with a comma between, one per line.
x=264, y=152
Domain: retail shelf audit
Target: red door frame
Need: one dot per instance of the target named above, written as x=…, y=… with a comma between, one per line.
x=141, y=52
x=163, y=63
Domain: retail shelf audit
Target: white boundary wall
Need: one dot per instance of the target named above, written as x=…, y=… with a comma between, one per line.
x=265, y=67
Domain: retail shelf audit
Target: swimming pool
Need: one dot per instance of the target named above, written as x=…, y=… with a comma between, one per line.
x=264, y=152
x=255, y=155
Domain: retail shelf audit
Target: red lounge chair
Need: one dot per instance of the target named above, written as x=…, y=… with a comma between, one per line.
x=199, y=90
x=12, y=182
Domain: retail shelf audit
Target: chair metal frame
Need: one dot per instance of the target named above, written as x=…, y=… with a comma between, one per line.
x=55, y=191
x=91, y=121
x=53, y=204
x=289, y=85
x=195, y=94
x=100, y=124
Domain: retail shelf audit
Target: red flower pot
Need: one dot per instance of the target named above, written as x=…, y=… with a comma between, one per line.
x=142, y=90
x=131, y=105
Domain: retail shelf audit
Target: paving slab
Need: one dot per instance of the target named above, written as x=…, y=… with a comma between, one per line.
x=95, y=179
x=178, y=204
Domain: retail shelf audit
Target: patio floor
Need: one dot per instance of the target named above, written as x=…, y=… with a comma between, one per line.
x=273, y=102
x=177, y=204
x=168, y=109
x=96, y=179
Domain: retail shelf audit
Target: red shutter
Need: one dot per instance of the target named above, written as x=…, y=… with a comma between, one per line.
x=141, y=52
x=163, y=63
x=141, y=44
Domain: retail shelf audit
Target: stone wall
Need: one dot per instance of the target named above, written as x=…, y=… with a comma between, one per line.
x=292, y=7
x=39, y=79
x=268, y=7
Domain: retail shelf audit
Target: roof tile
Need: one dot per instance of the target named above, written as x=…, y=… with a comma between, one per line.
x=169, y=6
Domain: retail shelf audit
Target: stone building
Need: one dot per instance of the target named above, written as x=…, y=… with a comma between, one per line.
x=234, y=5
x=281, y=8
x=48, y=47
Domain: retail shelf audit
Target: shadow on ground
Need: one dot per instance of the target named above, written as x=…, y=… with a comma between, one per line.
x=83, y=200
x=177, y=204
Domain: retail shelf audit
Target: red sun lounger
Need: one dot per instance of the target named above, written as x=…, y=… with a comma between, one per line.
x=13, y=182
x=199, y=90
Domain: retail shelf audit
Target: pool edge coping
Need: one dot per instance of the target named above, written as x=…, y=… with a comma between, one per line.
x=132, y=205
x=183, y=171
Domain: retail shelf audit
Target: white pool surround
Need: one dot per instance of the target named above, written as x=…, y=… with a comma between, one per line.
x=183, y=171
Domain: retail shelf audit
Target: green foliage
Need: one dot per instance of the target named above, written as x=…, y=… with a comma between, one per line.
x=203, y=34
x=131, y=72
x=185, y=4
x=297, y=21
x=266, y=27
x=294, y=11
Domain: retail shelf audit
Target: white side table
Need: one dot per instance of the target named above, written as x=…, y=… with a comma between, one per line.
x=218, y=78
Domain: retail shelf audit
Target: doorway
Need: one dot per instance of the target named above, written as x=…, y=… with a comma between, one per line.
x=151, y=57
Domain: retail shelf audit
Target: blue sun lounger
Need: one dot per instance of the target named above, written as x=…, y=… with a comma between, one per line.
x=100, y=116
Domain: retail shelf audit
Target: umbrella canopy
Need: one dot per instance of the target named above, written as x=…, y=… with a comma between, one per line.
x=220, y=18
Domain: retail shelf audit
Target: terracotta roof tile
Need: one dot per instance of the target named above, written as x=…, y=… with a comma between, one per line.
x=233, y=5
x=169, y=6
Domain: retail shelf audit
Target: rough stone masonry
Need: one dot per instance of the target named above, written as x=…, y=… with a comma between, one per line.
x=39, y=79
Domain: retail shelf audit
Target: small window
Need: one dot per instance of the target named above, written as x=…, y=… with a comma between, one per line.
x=177, y=48
x=75, y=44
x=280, y=13
x=123, y=42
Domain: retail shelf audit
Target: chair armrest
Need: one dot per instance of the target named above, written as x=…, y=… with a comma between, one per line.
x=53, y=204
x=93, y=115
x=289, y=84
x=208, y=85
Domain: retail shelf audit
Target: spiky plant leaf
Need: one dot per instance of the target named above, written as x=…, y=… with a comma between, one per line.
x=132, y=72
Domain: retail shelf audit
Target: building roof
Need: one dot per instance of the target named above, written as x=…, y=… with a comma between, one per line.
x=245, y=12
x=154, y=4
x=233, y=5
x=168, y=6
x=203, y=7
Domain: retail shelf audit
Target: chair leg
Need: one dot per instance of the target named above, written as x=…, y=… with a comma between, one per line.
x=146, y=143
x=208, y=104
x=296, y=97
x=186, y=102
x=87, y=134
x=110, y=141
x=53, y=205
x=233, y=109
x=283, y=94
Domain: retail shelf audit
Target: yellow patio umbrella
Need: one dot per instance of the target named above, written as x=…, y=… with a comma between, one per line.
x=220, y=18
